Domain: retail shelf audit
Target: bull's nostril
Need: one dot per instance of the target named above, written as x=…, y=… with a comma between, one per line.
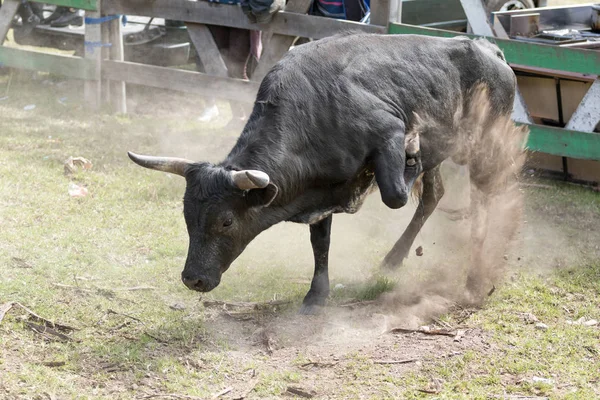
x=194, y=284
x=199, y=285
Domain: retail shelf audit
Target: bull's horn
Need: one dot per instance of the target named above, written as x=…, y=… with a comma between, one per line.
x=250, y=179
x=167, y=164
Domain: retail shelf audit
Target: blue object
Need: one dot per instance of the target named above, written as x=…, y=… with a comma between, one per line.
x=336, y=8
x=101, y=20
x=91, y=46
x=232, y=2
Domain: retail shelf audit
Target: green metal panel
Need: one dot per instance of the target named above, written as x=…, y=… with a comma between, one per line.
x=563, y=142
x=73, y=67
x=81, y=4
x=522, y=53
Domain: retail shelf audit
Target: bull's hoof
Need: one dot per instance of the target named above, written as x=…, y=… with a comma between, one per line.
x=393, y=261
x=313, y=302
x=388, y=265
x=310, y=309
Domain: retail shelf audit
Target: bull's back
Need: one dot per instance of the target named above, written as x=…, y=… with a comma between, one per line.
x=332, y=100
x=401, y=74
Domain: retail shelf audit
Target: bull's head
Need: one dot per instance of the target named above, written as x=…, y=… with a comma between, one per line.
x=222, y=213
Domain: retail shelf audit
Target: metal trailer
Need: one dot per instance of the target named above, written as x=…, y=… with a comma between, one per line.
x=449, y=14
x=556, y=55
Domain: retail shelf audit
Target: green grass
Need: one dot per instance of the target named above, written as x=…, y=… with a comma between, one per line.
x=129, y=231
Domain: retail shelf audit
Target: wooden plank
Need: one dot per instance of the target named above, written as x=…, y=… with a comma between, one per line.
x=80, y=4
x=181, y=80
x=587, y=115
x=563, y=142
x=278, y=45
x=380, y=12
x=477, y=17
x=93, y=51
x=523, y=53
x=73, y=67
x=207, y=49
x=7, y=13
x=202, y=12
x=553, y=73
x=118, y=93
x=396, y=11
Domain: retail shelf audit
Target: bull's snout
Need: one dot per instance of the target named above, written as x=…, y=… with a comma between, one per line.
x=199, y=283
x=194, y=284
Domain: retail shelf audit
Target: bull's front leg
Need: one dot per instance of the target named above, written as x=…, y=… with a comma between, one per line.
x=316, y=297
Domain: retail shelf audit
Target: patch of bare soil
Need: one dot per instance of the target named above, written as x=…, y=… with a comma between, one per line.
x=325, y=349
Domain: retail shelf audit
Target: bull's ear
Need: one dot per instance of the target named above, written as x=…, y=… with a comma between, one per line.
x=262, y=197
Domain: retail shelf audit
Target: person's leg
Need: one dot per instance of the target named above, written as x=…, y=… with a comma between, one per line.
x=70, y=16
x=29, y=19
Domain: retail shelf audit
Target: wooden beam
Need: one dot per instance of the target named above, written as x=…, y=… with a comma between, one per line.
x=380, y=12
x=181, y=80
x=477, y=17
x=118, y=93
x=202, y=12
x=89, y=5
x=524, y=53
x=278, y=45
x=7, y=13
x=73, y=67
x=396, y=11
x=93, y=45
x=587, y=115
x=207, y=49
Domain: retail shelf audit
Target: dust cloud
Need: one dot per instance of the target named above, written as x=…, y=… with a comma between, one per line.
x=492, y=147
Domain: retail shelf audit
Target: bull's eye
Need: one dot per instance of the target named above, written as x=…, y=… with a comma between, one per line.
x=411, y=162
x=228, y=222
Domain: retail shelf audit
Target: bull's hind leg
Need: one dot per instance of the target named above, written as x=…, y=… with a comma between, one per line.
x=320, y=234
x=433, y=190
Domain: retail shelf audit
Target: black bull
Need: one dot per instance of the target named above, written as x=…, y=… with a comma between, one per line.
x=333, y=120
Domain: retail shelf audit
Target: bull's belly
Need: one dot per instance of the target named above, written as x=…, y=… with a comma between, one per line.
x=348, y=199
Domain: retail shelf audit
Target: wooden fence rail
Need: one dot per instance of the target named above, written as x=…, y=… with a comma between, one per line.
x=181, y=80
x=202, y=12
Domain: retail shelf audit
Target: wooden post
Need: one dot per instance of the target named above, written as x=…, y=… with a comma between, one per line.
x=207, y=49
x=7, y=13
x=278, y=45
x=587, y=115
x=93, y=51
x=380, y=12
x=396, y=11
x=118, y=93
